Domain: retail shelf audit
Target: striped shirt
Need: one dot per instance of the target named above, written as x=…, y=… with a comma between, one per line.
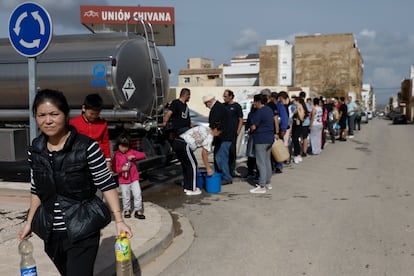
x=101, y=176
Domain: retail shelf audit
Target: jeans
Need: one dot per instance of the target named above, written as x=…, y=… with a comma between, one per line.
x=331, y=130
x=351, y=124
x=222, y=160
x=126, y=190
x=263, y=162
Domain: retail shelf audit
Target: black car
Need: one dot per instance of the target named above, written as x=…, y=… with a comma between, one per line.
x=399, y=119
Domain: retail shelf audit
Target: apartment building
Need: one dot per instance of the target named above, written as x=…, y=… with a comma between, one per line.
x=331, y=65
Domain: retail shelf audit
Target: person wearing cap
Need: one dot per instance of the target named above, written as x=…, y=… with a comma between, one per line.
x=219, y=114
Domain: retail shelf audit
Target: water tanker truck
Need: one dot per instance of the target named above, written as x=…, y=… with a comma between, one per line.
x=127, y=70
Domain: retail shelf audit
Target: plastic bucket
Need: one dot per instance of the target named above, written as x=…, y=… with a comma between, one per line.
x=201, y=179
x=213, y=183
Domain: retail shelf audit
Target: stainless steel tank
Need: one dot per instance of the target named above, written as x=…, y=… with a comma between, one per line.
x=117, y=66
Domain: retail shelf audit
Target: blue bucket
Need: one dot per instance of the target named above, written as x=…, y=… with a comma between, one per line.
x=213, y=183
x=201, y=179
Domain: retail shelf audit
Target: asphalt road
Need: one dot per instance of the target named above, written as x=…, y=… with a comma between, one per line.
x=348, y=211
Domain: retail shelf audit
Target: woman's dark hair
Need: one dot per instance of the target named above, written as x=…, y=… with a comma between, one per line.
x=122, y=139
x=316, y=101
x=216, y=125
x=305, y=108
x=53, y=96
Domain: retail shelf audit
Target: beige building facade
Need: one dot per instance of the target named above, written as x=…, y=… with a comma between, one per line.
x=331, y=65
x=200, y=72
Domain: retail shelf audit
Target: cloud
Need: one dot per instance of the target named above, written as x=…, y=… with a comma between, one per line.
x=387, y=58
x=61, y=12
x=368, y=33
x=248, y=40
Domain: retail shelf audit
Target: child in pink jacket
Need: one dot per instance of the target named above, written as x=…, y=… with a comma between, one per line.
x=124, y=165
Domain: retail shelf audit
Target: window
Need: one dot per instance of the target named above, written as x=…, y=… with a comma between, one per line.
x=186, y=80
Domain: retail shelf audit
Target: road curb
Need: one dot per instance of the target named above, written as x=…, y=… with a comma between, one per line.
x=154, y=247
x=180, y=244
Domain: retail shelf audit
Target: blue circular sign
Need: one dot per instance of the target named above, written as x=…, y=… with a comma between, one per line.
x=30, y=29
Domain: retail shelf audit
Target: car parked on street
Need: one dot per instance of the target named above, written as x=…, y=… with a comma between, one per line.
x=370, y=114
x=364, y=117
x=198, y=119
x=399, y=119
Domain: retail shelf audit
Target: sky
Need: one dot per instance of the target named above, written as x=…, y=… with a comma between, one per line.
x=222, y=29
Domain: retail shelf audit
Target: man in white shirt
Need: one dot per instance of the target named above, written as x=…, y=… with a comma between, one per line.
x=185, y=144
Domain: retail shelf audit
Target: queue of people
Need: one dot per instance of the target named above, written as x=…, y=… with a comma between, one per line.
x=303, y=124
x=311, y=122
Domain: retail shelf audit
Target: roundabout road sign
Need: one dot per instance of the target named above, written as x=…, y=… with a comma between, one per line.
x=30, y=29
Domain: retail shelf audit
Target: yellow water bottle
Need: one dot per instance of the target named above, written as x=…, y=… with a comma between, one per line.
x=123, y=256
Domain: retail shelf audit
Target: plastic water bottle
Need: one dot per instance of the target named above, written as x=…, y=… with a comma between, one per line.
x=27, y=262
x=125, y=173
x=123, y=256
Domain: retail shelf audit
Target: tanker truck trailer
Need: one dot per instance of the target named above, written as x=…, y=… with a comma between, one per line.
x=127, y=70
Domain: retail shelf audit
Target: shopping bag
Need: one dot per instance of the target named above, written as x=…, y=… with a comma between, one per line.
x=279, y=151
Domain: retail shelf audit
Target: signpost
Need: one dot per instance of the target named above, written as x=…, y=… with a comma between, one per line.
x=30, y=32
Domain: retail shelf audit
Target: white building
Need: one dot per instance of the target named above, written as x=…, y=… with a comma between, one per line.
x=368, y=97
x=243, y=71
x=285, y=61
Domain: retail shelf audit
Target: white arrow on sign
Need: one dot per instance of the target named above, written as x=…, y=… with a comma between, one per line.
x=39, y=20
x=29, y=45
x=18, y=22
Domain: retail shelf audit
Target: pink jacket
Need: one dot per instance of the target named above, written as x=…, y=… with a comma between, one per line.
x=119, y=161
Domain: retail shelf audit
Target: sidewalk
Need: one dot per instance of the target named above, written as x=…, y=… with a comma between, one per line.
x=151, y=236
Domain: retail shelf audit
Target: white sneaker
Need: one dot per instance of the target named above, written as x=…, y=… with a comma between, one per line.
x=268, y=186
x=297, y=159
x=258, y=190
x=351, y=136
x=197, y=191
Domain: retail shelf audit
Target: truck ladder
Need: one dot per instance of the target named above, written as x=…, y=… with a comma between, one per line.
x=157, y=80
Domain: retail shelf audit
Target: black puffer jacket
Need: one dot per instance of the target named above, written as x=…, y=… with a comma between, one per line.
x=63, y=173
x=66, y=172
